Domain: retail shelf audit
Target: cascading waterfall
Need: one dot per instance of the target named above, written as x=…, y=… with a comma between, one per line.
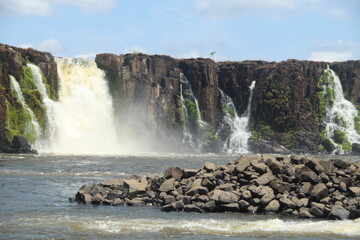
x=49, y=133
x=193, y=124
x=31, y=128
x=84, y=114
x=340, y=113
x=237, y=142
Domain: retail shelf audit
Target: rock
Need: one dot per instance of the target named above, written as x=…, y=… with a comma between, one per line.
x=189, y=173
x=304, y=213
x=355, y=148
x=305, y=188
x=168, y=199
x=354, y=213
x=242, y=165
x=118, y=202
x=343, y=187
x=197, y=190
x=316, y=212
x=280, y=187
x=135, y=187
x=267, y=197
x=319, y=191
x=305, y=174
x=87, y=198
x=209, y=206
x=168, y=185
x=287, y=203
x=136, y=202
x=228, y=197
x=259, y=167
x=273, y=206
x=243, y=204
x=275, y=166
x=209, y=167
x=21, y=145
x=113, y=183
x=354, y=191
x=265, y=179
x=313, y=164
x=174, y=172
x=230, y=207
x=340, y=163
x=192, y=208
x=328, y=166
x=246, y=195
x=338, y=213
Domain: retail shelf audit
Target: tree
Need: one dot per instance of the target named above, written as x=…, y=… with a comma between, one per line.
x=212, y=55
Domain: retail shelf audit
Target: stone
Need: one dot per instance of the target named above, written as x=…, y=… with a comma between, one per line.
x=112, y=183
x=136, y=203
x=242, y=165
x=305, y=188
x=118, y=202
x=297, y=201
x=87, y=198
x=20, y=143
x=316, y=212
x=313, y=164
x=267, y=197
x=275, y=166
x=209, y=167
x=230, y=207
x=174, y=172
x=339, y=163
x=328, y=166
x=273, y=206
x=287, y=203
x=197, y=190
x=209, y=206
x=343, y=187
x=354, y=191
x=243, y=204
x=228, y=197
x=304, y=213
x=338, y=213
x=135, y=187
x=192, y=208
x=319, y=191
x=280, y=187
x=208, y=184
x=355, y=148
x=264, y=179
x=168, y=199
x=246, y=195
x=305, y=174
x=168, y=185
x=259, y=167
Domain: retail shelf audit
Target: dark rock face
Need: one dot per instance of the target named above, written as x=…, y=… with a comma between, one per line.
x=12, y=61
x=248, y=184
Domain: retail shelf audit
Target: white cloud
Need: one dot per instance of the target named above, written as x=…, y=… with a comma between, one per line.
x=274, y=9
x=44, y=7
x=329, y=56
x=25, y=7
x=51, y=45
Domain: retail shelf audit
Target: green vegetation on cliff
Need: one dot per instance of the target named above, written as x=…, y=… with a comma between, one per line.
x=18, y=122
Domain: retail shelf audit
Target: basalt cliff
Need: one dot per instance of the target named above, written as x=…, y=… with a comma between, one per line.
x=181, y=102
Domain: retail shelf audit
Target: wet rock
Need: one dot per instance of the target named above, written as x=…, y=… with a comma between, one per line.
x=135, y=187
x=338, y=213
x=304, y=213
x=192, y=208
x=339, y=163
x=316, y=212
x=230, y=207
x=305, y=174
x=209, y=206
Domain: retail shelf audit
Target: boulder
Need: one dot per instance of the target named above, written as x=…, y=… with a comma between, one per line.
x=356, y=148
x=209, y=167
x=168, y=185
x=230, y=207
x=273, y=206
x=354, y=191
x=174, y=172
x=135, y=187
x=275, y=166
x=280, y=187
x=305, y=174
x=339, y=163
x=209, y=206
x=192, y=208
x=319, y=191
x=338, y=213
x=265, y=179
x=197, y=190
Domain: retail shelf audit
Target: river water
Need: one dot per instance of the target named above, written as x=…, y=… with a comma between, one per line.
x=35, y=191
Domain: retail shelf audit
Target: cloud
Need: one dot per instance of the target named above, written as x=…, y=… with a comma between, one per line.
x=51, y=45
x=25, y=7
x=275, y=9
x=44, y=7
x=329, y=56
x=134, y=49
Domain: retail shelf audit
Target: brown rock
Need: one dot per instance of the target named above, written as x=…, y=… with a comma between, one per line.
x=209, y=167
x=273, y=206
x=168, y=185
x=319, y=191
x=354, y=191
x=174, y=172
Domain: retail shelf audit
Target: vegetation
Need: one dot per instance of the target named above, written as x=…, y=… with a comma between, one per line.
x=227, y=109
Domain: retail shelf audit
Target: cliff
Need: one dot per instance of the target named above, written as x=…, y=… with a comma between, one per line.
x=287, y=107
x=14, y=116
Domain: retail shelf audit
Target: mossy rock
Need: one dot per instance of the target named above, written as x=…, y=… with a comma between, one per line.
x=34, y=100
x=26, y=80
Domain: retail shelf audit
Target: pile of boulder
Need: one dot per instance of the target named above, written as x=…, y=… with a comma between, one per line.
x=296, y=185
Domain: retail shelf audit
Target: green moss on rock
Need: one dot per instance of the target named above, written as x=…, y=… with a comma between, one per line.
x=34, y=100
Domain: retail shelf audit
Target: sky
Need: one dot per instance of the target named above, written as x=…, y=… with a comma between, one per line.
x=236, y=30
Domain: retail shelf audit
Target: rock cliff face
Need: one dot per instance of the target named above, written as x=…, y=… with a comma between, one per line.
x=13, y=62
x=286, y=103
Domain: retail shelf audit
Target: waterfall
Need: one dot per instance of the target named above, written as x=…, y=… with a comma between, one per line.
x=193, y=124
x=237, y=142
x=31, y=128
x=340, y=113
x=49, y=133
x=84, y=114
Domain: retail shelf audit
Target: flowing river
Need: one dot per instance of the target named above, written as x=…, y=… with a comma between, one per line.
x=34, y=204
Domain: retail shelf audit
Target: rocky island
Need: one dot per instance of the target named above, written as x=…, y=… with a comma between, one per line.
x=297, y=185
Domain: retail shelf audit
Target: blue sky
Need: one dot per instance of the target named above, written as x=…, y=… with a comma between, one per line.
x=271, y=30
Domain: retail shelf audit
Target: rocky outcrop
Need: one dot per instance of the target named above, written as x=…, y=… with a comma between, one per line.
x=299, y=186
x=13, y=62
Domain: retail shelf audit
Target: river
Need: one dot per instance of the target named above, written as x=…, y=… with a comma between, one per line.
x=34, y=204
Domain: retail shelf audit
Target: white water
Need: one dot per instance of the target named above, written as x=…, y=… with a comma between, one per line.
x=342, y=109
x=46, y=140
x=33, y=127
x=84, y=114
x=193, y=139
x=237, y=142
